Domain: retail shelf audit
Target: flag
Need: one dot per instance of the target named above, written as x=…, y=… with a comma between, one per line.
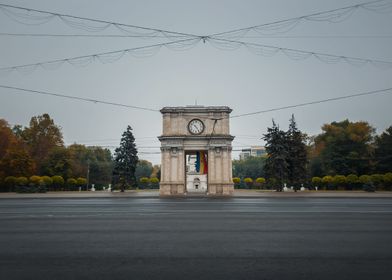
x=201, y=163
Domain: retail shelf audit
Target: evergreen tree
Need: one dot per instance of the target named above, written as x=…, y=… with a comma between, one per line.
x=297, y=158
x=383, y=151
x=125, y=160
x=277, y=165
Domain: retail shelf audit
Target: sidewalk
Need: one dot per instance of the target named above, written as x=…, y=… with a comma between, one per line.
x=310, y=194
x=237, y=194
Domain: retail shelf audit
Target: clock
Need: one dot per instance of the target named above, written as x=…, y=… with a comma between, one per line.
x=196, y=126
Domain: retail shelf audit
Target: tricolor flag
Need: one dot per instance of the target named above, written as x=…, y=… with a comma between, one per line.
x=201, y=164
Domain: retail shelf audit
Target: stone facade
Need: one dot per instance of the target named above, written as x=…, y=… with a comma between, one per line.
x=177, y=140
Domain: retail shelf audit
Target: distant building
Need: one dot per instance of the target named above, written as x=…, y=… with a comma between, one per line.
x=245, y=153
x=253, y=151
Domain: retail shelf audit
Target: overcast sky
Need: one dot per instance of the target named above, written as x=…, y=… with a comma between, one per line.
x=240, y=79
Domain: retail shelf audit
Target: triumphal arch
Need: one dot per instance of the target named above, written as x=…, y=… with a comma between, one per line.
x=196, y=151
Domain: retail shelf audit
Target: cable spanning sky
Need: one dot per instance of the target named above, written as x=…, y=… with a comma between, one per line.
x=250, y=55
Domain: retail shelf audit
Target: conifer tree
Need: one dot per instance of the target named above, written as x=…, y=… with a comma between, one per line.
x=276, y=165
x=383, y=151
x=126, y=159
x=297, y=158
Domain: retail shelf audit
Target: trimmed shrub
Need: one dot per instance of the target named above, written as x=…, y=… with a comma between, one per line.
x=316, y=181
x=260, y=182
x=34, y=180
x=249, y=182
x=47, y=181
x=10, y=182
x=154, y=182
x=377, y=179
x=58, y=182
x=364, y=179
x=81, y=182
x=22, y=185
x=353, y=182
x=327, y=182
x=387, y=178
x=22, y=181
x=71, y=183
x=339, y=181
x=144, y=182
x=237, y=182
x=42, y=188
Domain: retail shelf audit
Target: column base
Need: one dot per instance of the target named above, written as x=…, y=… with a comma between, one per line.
x=221, y=189
x=171, y=189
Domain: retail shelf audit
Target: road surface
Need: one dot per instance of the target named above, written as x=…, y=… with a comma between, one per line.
x=196, y=238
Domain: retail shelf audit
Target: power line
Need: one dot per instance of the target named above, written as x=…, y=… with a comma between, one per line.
x=295, y=54
x=50, y=35
x=87, y=35
x=380, y=91
x=318, y=36
x=235, y=116
x=108, y=57
x=78, y=98
x=80, y=21
x=259, y=49
x=332, y=16
x=103, y=57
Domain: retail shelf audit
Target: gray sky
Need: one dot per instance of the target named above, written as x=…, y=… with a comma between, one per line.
x=240, y=79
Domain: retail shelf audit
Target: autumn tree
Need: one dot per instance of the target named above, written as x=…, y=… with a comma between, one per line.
x=17, y=162
x=79, y=156
x=7, y=140
x=125, y=160
x=57, y=162
x=156, y=171
x=42, y=136
x=344, y=147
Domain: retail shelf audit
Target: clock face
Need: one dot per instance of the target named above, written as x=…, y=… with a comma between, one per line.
x=196, y=126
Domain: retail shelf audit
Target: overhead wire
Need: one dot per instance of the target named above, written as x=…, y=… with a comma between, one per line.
x=96, y=101
x=79, y=22
x=103, y=57
x=87, y=35
x=283, y=26
x=176, y=36
x=216, y=39
x=186, y=44
x=367, y=93
x=296, y=54
x=380, y=91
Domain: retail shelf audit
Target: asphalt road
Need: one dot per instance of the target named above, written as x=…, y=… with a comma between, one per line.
x=196, y=238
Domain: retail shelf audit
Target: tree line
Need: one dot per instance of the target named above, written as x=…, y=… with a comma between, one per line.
x=34, y=158
x=344, y=155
